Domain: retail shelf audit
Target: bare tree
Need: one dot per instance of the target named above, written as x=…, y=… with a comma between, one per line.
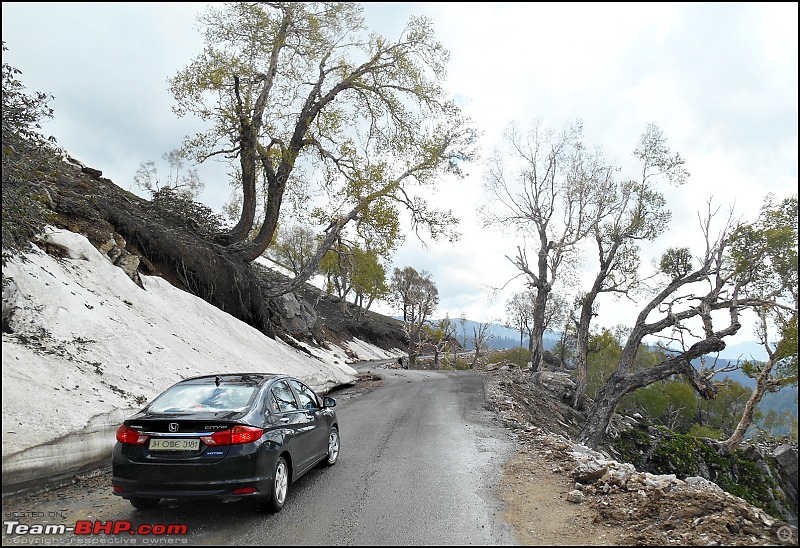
x=628, y=212
x=417, y=296
x=480, y=338
x=544, y=187
x=519, y=311
x=184, y=182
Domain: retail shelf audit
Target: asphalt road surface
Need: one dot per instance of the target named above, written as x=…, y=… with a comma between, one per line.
x=419, y=464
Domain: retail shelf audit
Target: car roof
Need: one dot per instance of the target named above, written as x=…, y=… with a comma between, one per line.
x=233, y=378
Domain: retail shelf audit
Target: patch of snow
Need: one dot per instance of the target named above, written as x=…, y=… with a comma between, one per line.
x=366, y=351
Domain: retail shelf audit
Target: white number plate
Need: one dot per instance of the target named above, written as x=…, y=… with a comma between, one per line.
x=173, y=444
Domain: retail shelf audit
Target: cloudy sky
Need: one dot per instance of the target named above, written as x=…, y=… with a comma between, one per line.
x=720, y=80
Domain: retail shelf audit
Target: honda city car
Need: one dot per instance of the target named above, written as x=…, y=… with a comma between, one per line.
x=226, y=436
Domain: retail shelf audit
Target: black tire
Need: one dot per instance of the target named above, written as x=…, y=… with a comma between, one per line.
x=334, y=445
x=279, y=488
x=143, y=503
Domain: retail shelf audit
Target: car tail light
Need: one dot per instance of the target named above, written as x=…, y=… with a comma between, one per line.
x=130, y=436
x=245, y=434
x=234, y=436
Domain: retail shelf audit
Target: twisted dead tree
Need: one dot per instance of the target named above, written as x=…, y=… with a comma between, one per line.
x=697, y=308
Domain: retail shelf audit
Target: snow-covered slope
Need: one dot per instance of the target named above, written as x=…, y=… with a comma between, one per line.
x=88, y=347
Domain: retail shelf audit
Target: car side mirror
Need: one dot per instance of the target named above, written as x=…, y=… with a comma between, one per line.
x=328, y=401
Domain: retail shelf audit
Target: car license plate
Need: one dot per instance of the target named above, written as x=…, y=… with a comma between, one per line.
x=172, y=444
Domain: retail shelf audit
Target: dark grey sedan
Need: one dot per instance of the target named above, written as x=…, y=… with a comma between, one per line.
x=227, y=436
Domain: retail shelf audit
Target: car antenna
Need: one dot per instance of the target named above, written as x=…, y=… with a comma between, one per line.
x=216, y=380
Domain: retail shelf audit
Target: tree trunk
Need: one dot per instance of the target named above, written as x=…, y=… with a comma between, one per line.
x=538, y=334
x=474, y=359
x=620, y=384
x=762, y=383
x=580, y=385
x=605, y=404
x=581, y=358
x=412, y=355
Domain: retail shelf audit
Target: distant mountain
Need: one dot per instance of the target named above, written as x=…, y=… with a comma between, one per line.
x=502, y=337
x=745, y=351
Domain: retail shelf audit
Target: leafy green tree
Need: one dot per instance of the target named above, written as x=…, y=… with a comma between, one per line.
x=294, y=247
x=791, y=420
x=369, y=278
x=605, y=350
x=672, y=403
x=765, y=252
x=349, y=269
x=336, y=267
x=299, y=93
x=770, y=421
x=29, y=160
x=564, y=348
x=723, y=412
x=701, y=431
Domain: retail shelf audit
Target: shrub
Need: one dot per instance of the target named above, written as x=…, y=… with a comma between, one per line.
x=518, y=356
x=28, y=161
x=703, y=431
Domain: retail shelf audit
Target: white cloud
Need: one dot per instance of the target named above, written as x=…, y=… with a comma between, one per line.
x=719, y=79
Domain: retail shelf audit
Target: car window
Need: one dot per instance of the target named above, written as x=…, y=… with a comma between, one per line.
x=283, y=397
x=190, y=398
x=307, y=397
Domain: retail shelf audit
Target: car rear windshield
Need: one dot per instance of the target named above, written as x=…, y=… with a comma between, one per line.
x=192, y=398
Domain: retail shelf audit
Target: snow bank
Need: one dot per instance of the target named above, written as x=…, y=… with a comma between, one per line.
x=89, y=347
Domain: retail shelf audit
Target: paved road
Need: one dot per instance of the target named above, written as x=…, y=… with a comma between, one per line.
x=418, y=466
x=419, y=463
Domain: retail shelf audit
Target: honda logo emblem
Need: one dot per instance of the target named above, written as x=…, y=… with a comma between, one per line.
x=173, y=427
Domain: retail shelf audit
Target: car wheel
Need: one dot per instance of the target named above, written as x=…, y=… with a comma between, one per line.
x=144, y=504
x=279, y=488
x=333, y=448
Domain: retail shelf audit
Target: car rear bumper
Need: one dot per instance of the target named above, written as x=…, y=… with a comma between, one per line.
x=222, y=479
x=129, y=490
